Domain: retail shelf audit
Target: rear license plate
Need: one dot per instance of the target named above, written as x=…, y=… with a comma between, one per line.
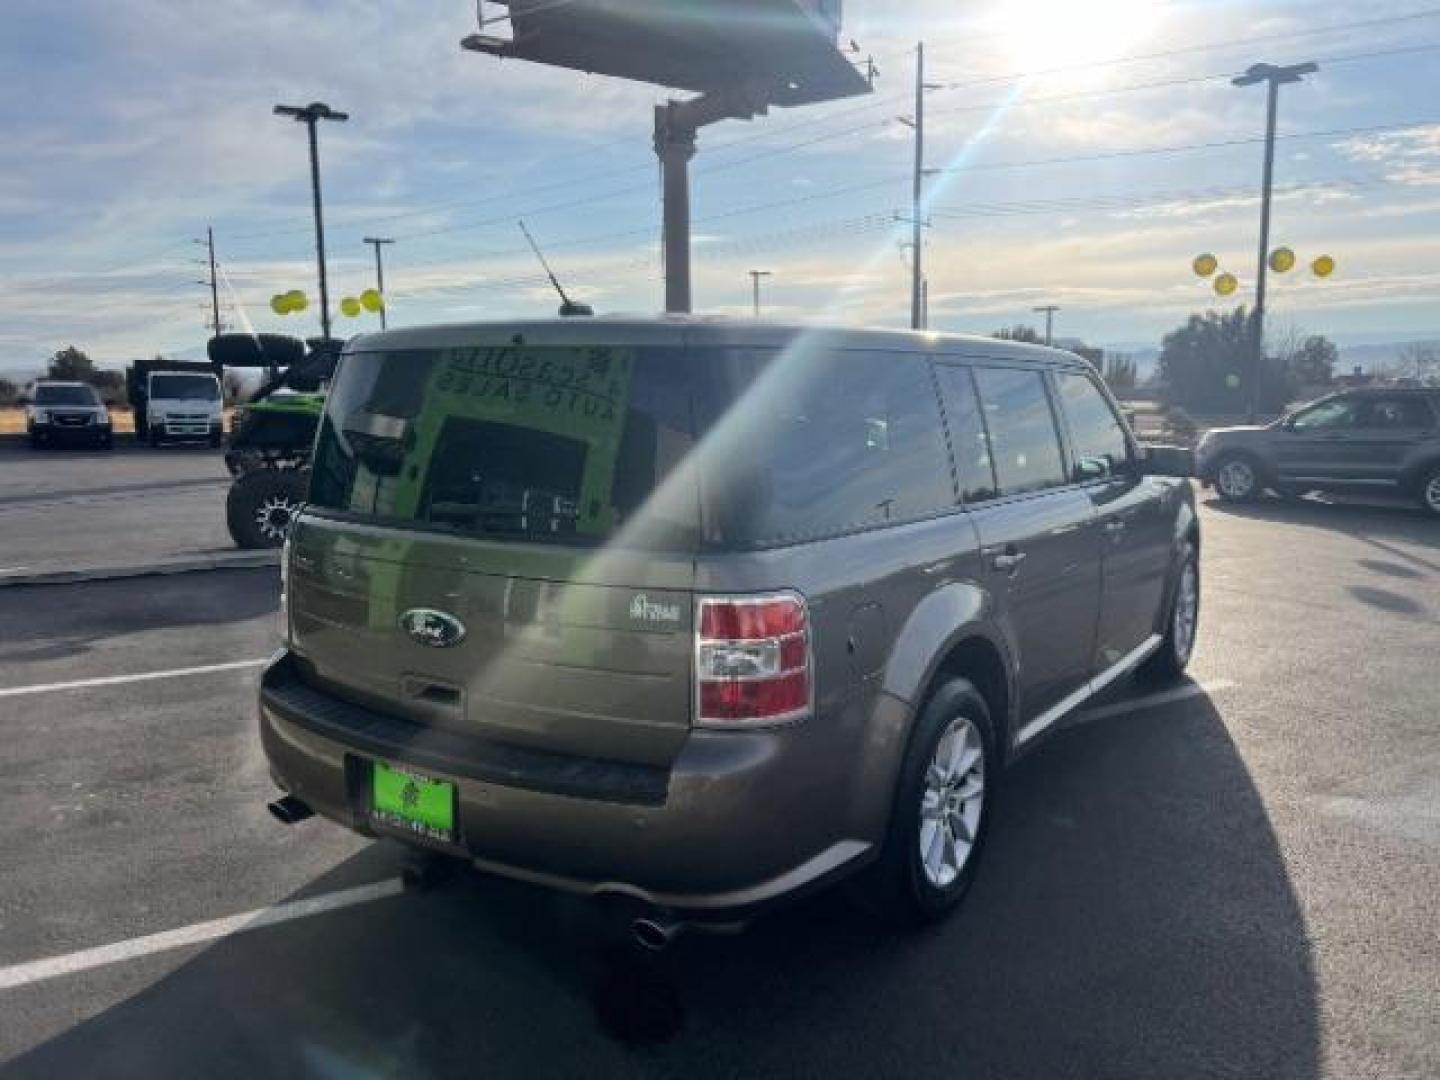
x=414, y=803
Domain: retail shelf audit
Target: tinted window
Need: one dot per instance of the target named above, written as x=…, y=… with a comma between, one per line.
x=1099, y=443
x=968, y=441
x=811, y=442
x=1023, y=438
x=1394, y=412
x=529, y=443
x=65, y=395
x=185, y=387
x=1328, y=415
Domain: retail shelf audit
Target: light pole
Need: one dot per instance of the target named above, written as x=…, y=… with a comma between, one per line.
x=1275, y=77
x=1049, y=310
x=755, y=276
x=377, y=241
x=310, y=115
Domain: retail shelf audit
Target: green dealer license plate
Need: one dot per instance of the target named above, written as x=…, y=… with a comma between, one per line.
x=405, y=800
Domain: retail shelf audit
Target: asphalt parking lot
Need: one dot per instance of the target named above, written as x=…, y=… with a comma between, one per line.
x=149, y=504
x=1240, y=878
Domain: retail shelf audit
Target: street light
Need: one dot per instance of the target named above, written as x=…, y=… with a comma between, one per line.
x=1275, y=77
x=310, y=115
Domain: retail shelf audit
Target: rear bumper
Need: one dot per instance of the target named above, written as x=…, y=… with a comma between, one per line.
x=738, y=821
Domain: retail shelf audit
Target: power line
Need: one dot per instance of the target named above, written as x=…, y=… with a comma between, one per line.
x=885, y=103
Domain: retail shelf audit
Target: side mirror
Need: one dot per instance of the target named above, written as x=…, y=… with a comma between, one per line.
x=1167, y=461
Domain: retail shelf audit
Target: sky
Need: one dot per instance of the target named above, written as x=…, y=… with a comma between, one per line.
x=1084, y=155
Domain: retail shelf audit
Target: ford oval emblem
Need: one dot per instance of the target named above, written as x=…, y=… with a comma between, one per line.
x=435, y=629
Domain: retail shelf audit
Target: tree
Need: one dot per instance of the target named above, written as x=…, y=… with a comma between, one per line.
x=1120, y=372
x=1420, y=360
x=9, y=392
x=1026, y=334
x=1204, y=364
x=1313, y=363
x=71, y=365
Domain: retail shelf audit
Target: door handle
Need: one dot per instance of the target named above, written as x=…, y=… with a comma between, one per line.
x=1114, y=526
x=1008, y=561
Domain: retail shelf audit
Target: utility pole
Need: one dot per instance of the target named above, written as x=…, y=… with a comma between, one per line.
x=1275, y=77
x=917, y=315
x=212, y=281
x=377, y=241
x=755, y=276
x=1049, y=310
x=310, y=115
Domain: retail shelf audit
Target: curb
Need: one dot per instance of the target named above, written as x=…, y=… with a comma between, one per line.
x=238, y=560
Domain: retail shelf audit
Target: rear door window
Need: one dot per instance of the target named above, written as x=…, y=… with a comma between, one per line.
x=1400, y=413
x=807, y=443
x=1097, y=435
x=1024, y=440
x=561, y=444
x=969, y=442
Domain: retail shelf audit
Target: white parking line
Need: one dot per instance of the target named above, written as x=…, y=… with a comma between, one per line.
x=1149, y=701
x=39, y=970
x=120, y=680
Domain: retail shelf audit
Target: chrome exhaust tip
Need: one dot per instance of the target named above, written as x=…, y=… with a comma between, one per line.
x=656, y=932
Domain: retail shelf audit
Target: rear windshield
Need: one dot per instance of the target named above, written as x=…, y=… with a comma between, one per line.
x=653, y=447
x=185, y=387
x=65, y=395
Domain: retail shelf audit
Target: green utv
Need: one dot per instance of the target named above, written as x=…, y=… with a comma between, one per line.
x=272, y=435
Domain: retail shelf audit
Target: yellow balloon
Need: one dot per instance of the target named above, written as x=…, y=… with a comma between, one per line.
x=350, y=307
x=1205, y=265
x=1324, y=266
x=1226, y=284
x=371, y=300
x=1282, y=260
x=280, y=304
x=297, y=300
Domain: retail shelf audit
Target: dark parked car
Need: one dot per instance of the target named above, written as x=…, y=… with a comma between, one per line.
x=67, y=412
x=703, y=614
x=1378, y=440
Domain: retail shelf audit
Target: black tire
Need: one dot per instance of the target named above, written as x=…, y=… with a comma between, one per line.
x=1429, y=490
x=1242, y=465
x=1169, y=662
x=37, y=442
x=216, y=438
x=153, y=437
x=898, y=885
x=254, y=508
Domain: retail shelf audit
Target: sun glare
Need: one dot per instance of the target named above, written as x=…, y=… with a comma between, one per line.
x=1044, y=34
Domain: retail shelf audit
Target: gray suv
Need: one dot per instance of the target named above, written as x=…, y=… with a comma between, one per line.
x=1385, y=440
x=706, y=614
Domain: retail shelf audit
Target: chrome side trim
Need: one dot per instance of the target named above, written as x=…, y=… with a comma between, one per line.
x=1067, y=704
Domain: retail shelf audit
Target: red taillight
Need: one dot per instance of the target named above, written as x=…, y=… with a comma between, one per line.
x=752, y=660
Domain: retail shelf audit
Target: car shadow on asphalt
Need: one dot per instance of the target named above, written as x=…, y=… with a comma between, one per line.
x=1134, y=918
x=1389, y=519
x=54, y=622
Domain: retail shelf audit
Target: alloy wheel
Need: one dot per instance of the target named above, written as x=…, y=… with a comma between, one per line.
x=1187, y=611
x=1236, y=479
x=952, y=802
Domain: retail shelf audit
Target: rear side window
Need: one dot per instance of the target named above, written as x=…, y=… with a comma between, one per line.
x=562, y=444
x=1395, y=413
x=968, y=440
x=1096, y=433
x=1024, y=441
x=810, y=442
